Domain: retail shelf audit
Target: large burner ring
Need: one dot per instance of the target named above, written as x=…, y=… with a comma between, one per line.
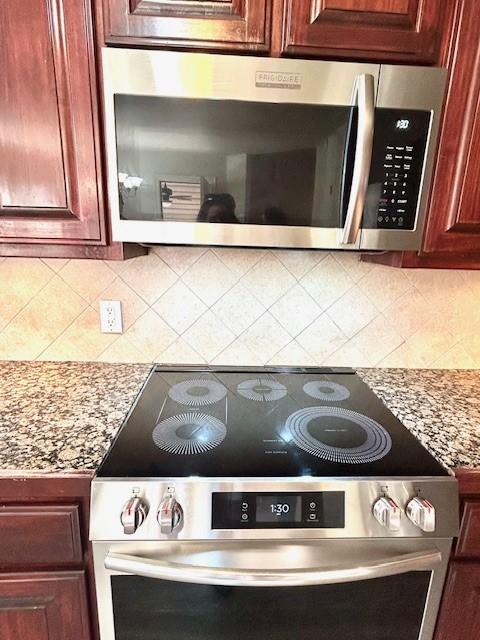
x=377, y=443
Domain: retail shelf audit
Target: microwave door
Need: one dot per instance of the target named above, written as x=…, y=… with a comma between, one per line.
x=256, y=146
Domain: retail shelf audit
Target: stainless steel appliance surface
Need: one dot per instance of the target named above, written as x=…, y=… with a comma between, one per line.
x=268, y=502
x=244, y=151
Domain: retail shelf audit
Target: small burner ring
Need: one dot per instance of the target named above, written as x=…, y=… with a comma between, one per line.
x=377, y=444
x=201, y=433
x=336, y=392
x=197, y=392
x=262, y=390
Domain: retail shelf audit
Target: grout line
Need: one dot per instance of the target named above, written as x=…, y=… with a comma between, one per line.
x=2, y=329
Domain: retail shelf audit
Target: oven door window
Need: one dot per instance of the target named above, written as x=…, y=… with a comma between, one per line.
x=149, y=609
x=233, y=162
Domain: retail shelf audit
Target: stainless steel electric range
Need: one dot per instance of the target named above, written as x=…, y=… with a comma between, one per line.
x=268, y=503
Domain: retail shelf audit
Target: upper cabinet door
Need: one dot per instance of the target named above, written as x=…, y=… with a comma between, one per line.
x=454, y=219
x=48, y=167
x=382, y=30
x=216, y=24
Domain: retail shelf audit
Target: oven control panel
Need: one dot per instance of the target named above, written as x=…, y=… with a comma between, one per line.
x=283, y=510
x=234, y=509
x=398, y=158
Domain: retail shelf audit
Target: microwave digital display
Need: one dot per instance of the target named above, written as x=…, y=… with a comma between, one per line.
x=404, y=123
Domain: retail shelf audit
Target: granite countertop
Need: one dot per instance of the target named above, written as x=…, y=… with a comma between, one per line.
x=440, y=407
x=62, y=416
x=58, y=417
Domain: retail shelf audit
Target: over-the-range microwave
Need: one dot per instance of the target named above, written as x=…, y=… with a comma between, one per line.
x=243, y=151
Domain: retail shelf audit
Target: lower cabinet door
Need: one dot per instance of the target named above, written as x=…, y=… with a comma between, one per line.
x=459, y=617
x=44, y=606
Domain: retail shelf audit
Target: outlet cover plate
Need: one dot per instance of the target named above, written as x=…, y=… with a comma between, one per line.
x=111, y=316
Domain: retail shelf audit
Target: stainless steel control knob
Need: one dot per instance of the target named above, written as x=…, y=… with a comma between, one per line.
x=387, y=513
x=170, y=514
x=422, y=513
x=133, y=514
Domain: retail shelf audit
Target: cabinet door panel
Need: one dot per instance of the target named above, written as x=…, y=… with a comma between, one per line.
x=217, y=24
x=43, y=606
x=397, y=30
x=30, y=179
x=48, y=177
x=468, y=542
x=459, y=617
x=34, y=535
x=454, y=219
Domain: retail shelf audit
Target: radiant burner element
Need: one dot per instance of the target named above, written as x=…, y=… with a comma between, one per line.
x=189, y=433
x=326, y=390
x=262, y=390
x=197, y=392
x=376, y=445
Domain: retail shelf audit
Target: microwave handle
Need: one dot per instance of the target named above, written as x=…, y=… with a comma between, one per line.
x=363, y=157
x=163, y=569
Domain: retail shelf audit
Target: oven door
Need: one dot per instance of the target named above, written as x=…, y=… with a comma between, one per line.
x=342, y=589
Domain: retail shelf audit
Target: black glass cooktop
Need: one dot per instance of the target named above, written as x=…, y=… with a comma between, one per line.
x=263, y=423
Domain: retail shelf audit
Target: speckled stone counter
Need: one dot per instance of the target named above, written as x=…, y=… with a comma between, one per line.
x=62, y=416
x=440, y=407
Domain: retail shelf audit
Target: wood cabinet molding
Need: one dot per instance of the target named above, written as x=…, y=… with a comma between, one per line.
x=50, y=185
x=242, y=25
x=468, y=482
x=380, y=30
x=396, y=13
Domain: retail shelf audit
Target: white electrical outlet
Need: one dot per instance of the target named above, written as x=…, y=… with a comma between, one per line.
x=111, y=316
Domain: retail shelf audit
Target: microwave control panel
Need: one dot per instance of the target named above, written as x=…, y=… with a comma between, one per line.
x=399, y=149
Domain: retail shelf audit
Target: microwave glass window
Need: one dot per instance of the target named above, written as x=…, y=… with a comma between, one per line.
x=186, y=160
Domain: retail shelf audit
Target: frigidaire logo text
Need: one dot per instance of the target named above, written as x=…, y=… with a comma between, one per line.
x=278, y=79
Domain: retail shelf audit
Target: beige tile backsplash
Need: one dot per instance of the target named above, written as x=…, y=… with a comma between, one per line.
x=241, y=307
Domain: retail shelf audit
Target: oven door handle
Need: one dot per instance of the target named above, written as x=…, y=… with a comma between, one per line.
x=179, y=571
x=363, y=157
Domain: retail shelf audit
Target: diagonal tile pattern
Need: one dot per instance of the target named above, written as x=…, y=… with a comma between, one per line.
x=241, y=306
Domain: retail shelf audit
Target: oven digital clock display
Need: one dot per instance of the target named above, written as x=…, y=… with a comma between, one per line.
x=279, y=508
x=262, y=510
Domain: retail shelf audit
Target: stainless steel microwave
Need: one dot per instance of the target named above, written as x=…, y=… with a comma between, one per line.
x=242, y=151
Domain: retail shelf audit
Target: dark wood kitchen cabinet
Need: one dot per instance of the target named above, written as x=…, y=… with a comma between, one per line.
x=46, y=571
x=454, y=221
x=44, y=606
x=241, y=25
x=379, y=30
x=459, y=616
x=51, y=183
x=49, y=179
